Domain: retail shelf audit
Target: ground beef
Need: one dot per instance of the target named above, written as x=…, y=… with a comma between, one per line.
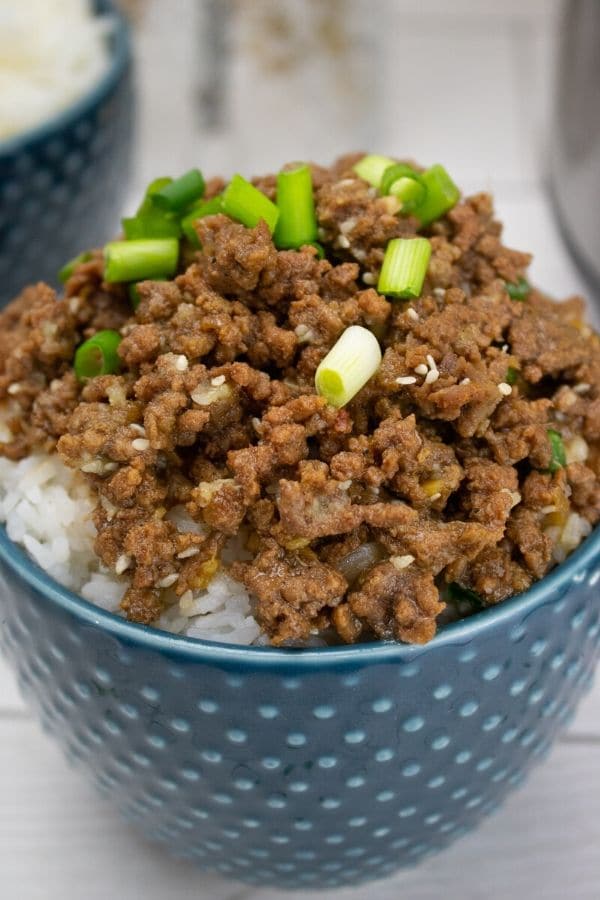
x=354, y=521
x=397, y=603
x=295, y=592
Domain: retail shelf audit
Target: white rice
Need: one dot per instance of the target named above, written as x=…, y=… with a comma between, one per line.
x=51, y=53
x=565, y=539
x=46, y=508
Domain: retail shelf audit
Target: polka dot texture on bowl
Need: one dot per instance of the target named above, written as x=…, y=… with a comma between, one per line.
x=296, y=774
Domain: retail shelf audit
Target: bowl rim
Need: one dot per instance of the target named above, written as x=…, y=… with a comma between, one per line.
x=119, y=60
x=199, y=650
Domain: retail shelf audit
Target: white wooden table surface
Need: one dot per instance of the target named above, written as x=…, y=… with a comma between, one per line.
x=58, y=839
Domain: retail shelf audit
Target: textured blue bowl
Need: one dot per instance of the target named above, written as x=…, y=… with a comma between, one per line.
x=320, y=767
x=61, y=183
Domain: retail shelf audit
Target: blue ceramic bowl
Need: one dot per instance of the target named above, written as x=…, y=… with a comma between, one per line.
x=320, y=767
x=61, y=183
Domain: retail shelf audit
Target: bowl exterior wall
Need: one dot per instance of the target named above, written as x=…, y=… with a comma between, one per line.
x=62, y=191
x=296, y=774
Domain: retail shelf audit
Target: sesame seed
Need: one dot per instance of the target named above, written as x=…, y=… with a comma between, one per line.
x=343, y=241
x=345, y=485
x=431, y=361
x=412, y=314
x=204, y=395
x=13, y=388
x=189, y=551
x=122, y=564
x=465, y=381
x=181, y=363
x=515, y=497
x=435, y=496
x=186, y=600
x=546, y=510
x=402, y=562
x=218, y=380
x=406, y=379
x=304, y=333
x=582, y=388
x=505, y=389
x=505, y=348
x=347, y=226
x=432, y=376
x=140, y=444
x=168, y=580
x=98, y=466
x=439, y=292
x=139, y=429
x=359, y=254
x=577, y=450
x=368, y=278
x=421, y=369
x=109, y=508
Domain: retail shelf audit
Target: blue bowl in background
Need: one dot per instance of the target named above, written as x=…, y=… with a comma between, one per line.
x=62, y=182
x=321, y=767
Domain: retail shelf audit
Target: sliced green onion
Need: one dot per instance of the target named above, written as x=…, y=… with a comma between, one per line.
x=297, y=222
x=157, y=185
x=511, y=375
x=69, y=267
x=134, y=294
x=352, y=360
x=519, y=290
x=208, y=208
x=410, y=193
x=558, y=459
x=404, y=267
x=98, y=355
x=442, y=195
x=319, y=248
x=244, y=202
x=150, y=221
x=371, y=168
x=138, y=260
x=395, y=172
x=151, y=224
x=181, y=192
x=404, y=183
x=459, y=594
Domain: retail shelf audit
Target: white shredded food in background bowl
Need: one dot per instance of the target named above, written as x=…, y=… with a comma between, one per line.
x=51, y=53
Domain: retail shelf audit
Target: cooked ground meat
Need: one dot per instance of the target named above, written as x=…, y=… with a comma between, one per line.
x=439, y=471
